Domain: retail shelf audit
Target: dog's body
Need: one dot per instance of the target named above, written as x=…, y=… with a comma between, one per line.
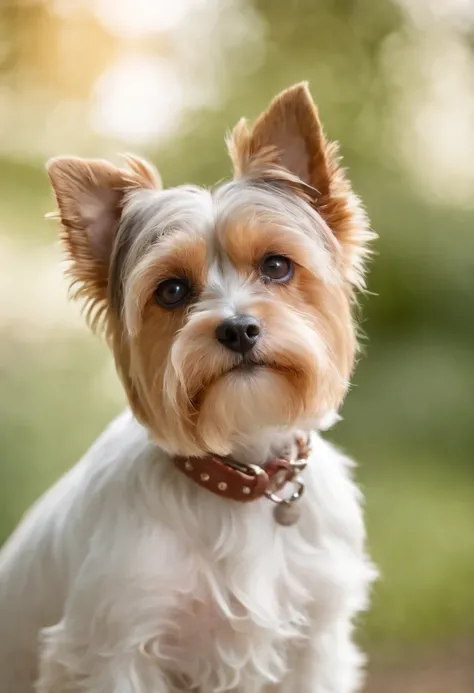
x=229, y=315
x=151, y=584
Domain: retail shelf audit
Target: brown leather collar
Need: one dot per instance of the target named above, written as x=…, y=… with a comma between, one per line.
x=244, y=482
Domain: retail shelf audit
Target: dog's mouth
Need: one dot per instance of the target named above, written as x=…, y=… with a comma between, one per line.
x=251, y=366
x=247, y=365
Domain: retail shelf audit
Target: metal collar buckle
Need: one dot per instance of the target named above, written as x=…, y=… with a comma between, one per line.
x=286, y=513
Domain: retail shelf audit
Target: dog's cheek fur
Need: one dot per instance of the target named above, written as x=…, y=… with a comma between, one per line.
x=145, y=336
x=328, y=308
x=142, y=362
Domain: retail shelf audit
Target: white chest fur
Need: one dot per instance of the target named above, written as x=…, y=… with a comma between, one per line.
x=171, y=587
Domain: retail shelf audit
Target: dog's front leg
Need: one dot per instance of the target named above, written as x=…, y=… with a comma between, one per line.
x=69, y=666
x=329, y=663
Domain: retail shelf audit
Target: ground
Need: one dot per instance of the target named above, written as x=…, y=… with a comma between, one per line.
x=445, y=669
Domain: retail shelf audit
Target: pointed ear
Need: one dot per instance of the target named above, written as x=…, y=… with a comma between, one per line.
x=89, y=196
x=289, y=135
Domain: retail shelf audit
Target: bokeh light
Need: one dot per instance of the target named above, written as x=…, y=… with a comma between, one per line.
x=139, y=18
x=137, y=99
x=394, y=82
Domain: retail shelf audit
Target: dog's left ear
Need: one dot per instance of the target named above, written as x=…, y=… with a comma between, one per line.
x=289, y=135
x=89, y=195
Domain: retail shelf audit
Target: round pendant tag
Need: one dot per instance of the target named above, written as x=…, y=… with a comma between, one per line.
x=287, y=513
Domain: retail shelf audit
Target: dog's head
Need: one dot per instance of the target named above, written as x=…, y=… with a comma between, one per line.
x=228, y=310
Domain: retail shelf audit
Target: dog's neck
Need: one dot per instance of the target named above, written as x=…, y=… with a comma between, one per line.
x=277, y=442
x=270, y=443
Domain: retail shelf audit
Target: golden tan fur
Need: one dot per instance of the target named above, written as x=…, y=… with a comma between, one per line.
x=318, y=164
x=180, y=382
x=79, y=186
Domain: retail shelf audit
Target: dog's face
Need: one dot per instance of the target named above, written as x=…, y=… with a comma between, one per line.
x=228, y=311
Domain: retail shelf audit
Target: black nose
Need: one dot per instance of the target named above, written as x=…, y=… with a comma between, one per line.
x=239, y=333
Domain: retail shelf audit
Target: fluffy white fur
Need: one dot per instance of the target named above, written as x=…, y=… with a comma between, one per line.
x=132, y=577
x=141, y=582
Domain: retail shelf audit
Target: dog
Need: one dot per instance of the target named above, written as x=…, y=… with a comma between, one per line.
x=210, y=540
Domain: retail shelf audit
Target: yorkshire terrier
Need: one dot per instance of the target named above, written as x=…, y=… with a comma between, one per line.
x=181, y=553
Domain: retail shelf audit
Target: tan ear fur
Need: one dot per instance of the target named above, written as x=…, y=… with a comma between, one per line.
x=289, y=136
x=89, y=196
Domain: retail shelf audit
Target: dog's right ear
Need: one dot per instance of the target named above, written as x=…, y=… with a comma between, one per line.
x=90, y=196
x=289, y=136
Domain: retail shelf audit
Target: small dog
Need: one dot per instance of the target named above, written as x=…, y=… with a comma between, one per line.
x=180, y=554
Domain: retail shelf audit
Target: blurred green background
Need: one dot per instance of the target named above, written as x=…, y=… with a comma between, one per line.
x=166, y=79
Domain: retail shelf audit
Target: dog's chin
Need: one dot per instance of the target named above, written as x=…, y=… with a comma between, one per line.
x=245, y=400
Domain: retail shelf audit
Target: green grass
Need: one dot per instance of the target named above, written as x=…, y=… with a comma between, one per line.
x=421, y=533
x=55, y=399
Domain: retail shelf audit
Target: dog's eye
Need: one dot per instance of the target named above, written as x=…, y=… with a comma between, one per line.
x=172, y=292
x=277, y=268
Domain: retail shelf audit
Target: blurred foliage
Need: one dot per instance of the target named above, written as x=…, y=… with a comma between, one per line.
x=409, y=416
